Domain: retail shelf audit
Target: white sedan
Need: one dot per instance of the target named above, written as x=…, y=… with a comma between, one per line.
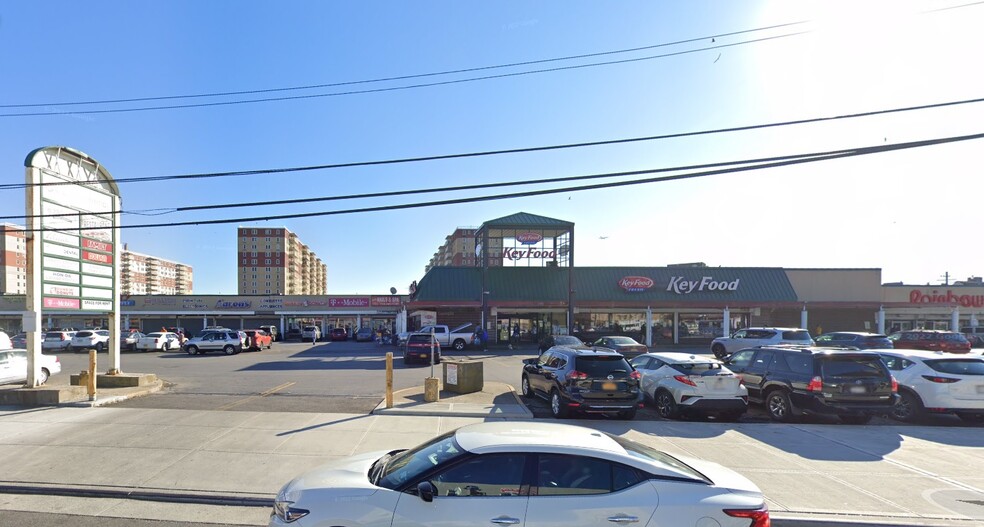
x=521, y=473
x=936, y=382
x=159, y=341
x=683, y=383
x=13, y=366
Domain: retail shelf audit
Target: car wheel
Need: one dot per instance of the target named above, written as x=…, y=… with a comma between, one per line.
x=527, y=390
x=855, y=419
x=459, y=345
x=908, y=408
x=99, y=347
x=666, y=406
x=557, y=407
x=730, y=417
x=719, y=352
x=968, y=417
x=778, y=405
x=44, y=376
x=628, y=415
x=192, y=350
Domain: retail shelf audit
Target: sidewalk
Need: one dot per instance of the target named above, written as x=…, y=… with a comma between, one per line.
x=226, y=466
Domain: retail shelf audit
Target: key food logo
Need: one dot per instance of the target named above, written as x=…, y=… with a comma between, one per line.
x=635, y=284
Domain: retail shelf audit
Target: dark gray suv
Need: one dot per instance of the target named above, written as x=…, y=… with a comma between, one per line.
x=583, y=380
x=793, y=380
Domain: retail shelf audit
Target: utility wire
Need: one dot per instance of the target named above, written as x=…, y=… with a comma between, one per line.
x=207, y=175
x=400, y=88
x=407, y=77
x=850, y=153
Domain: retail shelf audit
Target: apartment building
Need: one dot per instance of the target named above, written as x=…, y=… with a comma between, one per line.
x=13, y=260
x=274, y=261
x=143, y=274
x=458, y=250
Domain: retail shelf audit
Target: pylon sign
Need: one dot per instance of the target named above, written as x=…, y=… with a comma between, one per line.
x=72, y=208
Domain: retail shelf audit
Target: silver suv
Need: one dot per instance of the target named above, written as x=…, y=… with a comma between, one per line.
x=723, y=347
x=228, y=341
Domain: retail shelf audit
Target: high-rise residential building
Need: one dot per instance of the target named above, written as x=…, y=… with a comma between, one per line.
x=458, y=249
x=273, y=261
x=13, y=260
x=143, y=274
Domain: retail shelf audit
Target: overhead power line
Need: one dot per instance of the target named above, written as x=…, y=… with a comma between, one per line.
x=677, y=135
x=790, y=162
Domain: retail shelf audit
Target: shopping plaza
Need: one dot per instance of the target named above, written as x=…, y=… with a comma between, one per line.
x=524, y=277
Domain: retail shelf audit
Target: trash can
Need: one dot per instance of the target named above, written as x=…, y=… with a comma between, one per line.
x=464, y=376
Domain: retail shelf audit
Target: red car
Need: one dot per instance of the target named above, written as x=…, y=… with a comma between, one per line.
x=931, y=340
x=338, y=334
x=418, y=348
x=258, y=339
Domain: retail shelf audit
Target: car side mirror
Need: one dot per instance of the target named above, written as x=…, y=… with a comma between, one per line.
x=529, y=361
x=426, y=491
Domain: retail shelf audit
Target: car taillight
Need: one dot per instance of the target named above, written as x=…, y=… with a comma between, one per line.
x=895, y=385
x=685, y=380
x=575, y=375
x=941, y=380
x=815, y=385
x=759, y=517
x=635, y=376
x=63, y=337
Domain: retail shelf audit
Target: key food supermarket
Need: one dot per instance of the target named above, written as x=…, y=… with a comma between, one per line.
x=523, y=279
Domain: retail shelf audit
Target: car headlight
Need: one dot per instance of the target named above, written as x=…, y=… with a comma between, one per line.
x=285, y=510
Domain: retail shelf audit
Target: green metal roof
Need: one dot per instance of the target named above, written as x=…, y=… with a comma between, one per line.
x=527, y=219
x=602, y=284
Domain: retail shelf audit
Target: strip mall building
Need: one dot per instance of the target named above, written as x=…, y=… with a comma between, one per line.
x=524, y=276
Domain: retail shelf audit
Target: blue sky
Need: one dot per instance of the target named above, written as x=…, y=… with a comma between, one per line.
x=913, y=214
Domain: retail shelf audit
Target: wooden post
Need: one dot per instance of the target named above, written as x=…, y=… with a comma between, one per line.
x=91, y=385
x=389, y=379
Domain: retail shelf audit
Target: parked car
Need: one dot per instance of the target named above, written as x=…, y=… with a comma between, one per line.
x=722, y=347
x=338, y=334
x=57, y=340
x=567, y=341
x=159, y=341
x=97, y=339
x=418, y=348
x=19, y=340
x=13, y=366
x=521, y=474
x=975, y=336
x=681, y=383
x=793, y=380
x=365, y=335
x=931, y=340
x=228, y=341
x=854, y=339
x=273, y=331
x=587, y=381
x=128, y=341
x=257, y=339
x=313, y=332
x=628, y=347
x=936, y=382
x=294, y=334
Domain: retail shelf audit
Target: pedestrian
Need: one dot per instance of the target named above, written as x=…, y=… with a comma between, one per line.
x=484, y=338
x=314, y=337
x=515, y=337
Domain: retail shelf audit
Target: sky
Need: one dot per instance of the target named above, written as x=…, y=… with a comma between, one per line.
x=915, y=214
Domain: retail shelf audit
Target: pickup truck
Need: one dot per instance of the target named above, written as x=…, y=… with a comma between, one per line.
x=457, y=338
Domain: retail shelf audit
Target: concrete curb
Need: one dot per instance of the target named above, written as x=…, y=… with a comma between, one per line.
x=111, y=399
x=450, y=409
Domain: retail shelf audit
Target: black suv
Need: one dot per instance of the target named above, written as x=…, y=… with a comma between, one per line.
x=792, y=380
x=583, y=380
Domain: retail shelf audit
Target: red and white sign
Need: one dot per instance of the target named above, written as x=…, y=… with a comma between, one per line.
x=635, y=284
x=529, y=238
x=518, y=254
x=388, y=301
x=97, y=257
x=917, y=296
x=97, y=245
x=350, y=301
x=61, y=303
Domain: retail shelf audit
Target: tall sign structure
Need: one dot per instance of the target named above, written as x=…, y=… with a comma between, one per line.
x=73, y=251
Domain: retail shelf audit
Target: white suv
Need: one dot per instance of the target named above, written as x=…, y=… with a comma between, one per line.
x=938, y=382
x=310, y=332
x=97, y=339
x=723, y=347
x=681, y=383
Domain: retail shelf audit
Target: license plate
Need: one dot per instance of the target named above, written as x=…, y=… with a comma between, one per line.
x=609, y=386
x=423, y=355
x=858, y=389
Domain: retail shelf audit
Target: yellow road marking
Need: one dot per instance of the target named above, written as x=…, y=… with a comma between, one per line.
x=271, y=391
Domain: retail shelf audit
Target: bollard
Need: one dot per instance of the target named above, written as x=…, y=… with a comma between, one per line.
x=389, y=379
x=432, y=390
x=91, y=385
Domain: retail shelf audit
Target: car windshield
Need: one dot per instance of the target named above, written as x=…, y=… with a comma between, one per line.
x=567, y=340
x=622, y=340
x=666, y=461
x=416, y=339
x=697, y=368
x=853, y=367
x=958, y=366
x=796, y=335
x=407, y=465
x=84, y=334
x=955, y=337
x=52, y=335
x=154, y=335
x=604, y=365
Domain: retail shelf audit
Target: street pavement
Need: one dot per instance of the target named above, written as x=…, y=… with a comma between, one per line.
x=224, y=467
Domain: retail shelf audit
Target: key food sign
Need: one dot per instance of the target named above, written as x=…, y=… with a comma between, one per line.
x=74, y=203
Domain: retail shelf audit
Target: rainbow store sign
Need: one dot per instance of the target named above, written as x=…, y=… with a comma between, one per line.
x=916, y=296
